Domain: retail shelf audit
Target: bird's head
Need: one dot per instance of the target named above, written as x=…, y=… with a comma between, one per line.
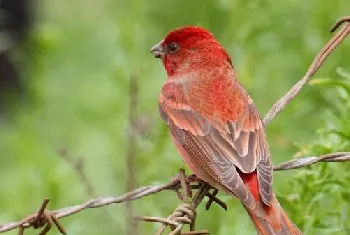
x=189, y=48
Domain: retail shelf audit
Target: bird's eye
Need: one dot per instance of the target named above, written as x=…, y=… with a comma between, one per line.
x=172, y=47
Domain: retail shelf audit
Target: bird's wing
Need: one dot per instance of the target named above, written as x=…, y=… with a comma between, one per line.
x=224, y=149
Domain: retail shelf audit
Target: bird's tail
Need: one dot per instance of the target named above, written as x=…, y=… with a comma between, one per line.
x=272, y=220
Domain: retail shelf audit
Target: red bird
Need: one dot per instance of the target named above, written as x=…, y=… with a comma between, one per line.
x=215, y=125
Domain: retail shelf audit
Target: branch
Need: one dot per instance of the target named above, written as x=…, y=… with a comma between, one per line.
x=131, y=225
x=185, y=214
x=78, y=166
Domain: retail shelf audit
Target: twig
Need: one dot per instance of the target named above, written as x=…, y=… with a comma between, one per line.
x=131, y=224
x=78, y=165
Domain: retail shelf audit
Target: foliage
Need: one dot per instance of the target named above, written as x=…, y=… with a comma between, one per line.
x=320, y=194
x=77, y=63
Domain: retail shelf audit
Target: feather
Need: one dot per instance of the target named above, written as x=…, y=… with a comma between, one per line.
x=220, y=147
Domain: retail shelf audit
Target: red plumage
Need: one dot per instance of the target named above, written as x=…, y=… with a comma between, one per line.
x=215, y=125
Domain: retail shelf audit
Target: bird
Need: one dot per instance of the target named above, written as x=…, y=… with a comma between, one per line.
x=215, y=125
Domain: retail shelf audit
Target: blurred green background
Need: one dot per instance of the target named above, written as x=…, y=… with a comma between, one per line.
x=76, y=64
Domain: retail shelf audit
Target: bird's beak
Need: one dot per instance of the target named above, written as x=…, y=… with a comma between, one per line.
x=158, y=50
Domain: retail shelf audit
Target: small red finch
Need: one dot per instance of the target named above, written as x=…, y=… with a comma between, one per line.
x=215, y=125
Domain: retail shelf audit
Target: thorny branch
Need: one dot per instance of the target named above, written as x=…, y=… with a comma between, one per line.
x=186, y=213
x=131, y=225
